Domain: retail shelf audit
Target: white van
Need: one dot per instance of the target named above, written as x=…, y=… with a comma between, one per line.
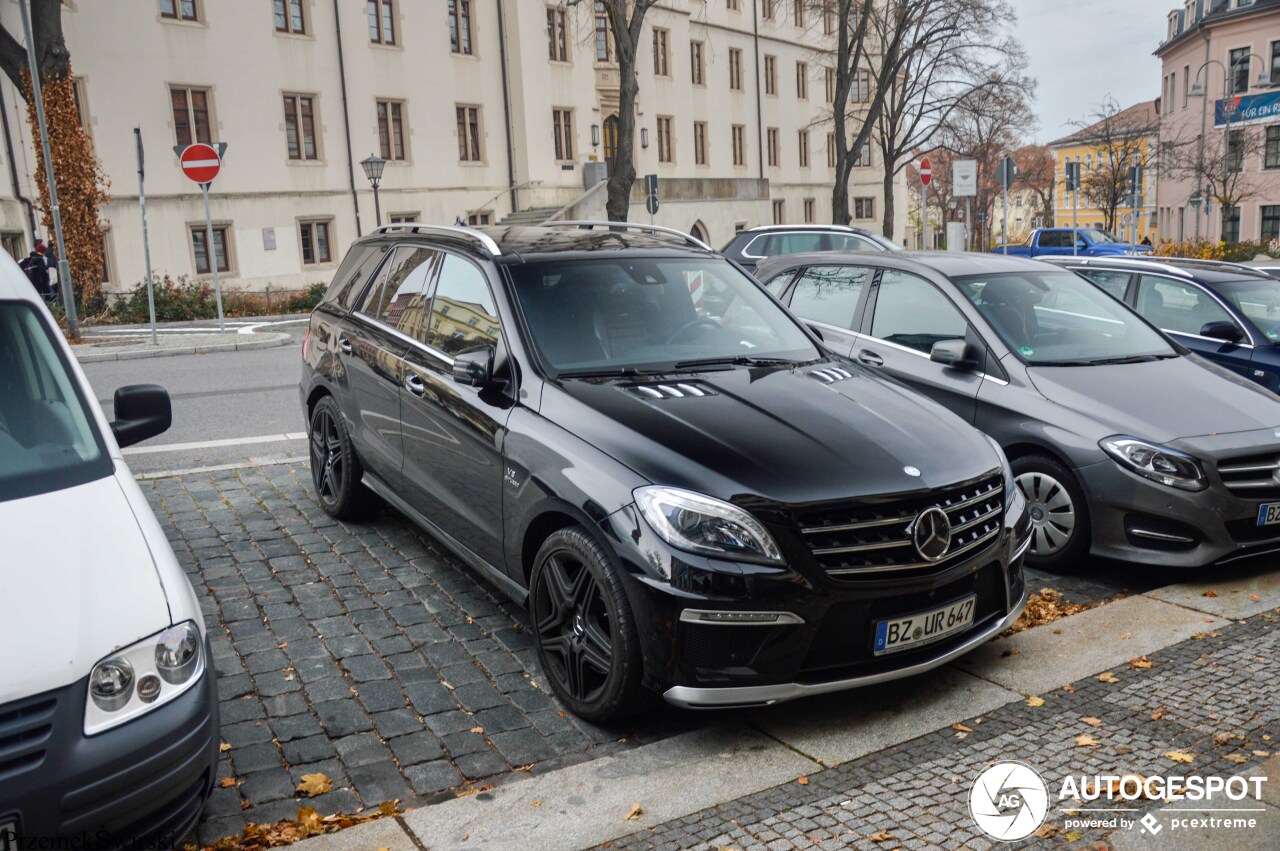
x=108, y=705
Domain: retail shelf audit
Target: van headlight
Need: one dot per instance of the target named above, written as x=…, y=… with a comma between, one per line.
x=138, y=678
x=697, y=523
x=1158, y=463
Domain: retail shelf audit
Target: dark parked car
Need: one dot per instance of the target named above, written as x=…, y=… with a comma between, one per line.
x=754, y=245
x=619, y=428
x=1225, y=312
x=1124, y=444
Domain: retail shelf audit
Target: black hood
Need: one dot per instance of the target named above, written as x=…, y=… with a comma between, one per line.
x=777, y=434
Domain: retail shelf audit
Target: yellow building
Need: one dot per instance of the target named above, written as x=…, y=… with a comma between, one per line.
x=1104, y=148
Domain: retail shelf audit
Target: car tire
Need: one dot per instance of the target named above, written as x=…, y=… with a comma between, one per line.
x=335, y=468
x=1060, y=528
x=588, y=644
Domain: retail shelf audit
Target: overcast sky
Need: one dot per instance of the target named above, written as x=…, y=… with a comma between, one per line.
x=1083, y=50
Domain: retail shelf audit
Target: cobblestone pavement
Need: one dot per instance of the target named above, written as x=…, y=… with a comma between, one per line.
x=1213, y=697
x=359, y=652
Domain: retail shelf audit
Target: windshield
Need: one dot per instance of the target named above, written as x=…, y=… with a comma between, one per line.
x=648, y=315
x=1057, y=318
x=1257, y=299
x=47, y=439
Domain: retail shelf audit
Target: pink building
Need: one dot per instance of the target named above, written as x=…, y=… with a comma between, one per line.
x=1219, y=163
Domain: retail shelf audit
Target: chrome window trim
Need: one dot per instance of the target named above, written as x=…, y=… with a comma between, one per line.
x=801, y=230
x=418, y=344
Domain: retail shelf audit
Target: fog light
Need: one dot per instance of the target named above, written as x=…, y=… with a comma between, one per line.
x=148, y=688
x=746, y=618
x=177, y=652
x=111, y=683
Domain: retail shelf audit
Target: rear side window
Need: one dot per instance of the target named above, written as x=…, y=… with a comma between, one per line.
x=1113, y=283
x=785, y=243
x=399, y=297
x=463, y=314
x=1174, y=306
x=829, y=294
x=1055, y=239
x=852, y=242
x=356, y=269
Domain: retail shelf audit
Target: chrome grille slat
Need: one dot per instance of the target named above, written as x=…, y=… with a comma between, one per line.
x=860, y=548
x=1248, y=468
x=1252, y=476
x=975, y=521
x=884, y=568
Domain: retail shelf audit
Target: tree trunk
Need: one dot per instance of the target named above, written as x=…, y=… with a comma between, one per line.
x=51, y=48
x=840, y=214
x=890, y=166
x=624, y=174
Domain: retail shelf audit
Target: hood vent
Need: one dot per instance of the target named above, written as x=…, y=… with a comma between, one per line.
x=679, y=390
x=831, y=374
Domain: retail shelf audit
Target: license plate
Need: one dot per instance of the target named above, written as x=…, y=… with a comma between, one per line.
x=924, y=627
x=8, y=836
x=1269, y=514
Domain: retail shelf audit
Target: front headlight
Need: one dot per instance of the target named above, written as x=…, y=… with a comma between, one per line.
x=1004, y=468
x=700, y=524
x=143, y=676
x=1158, y=463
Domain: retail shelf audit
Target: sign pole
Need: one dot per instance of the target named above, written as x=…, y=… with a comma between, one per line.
x=968, y=235
x=146, y=244
x=212, y=253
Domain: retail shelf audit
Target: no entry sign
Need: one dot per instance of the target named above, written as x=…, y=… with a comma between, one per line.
x=200, y=162
x=926, y=171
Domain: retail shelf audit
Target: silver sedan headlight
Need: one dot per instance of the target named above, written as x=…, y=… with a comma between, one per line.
x=138, y=678
x=1158, y=463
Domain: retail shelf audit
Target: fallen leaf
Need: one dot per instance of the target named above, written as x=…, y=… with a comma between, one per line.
x=1209, y=593
x=315, y=784
x=477, y=729
x=536, y=804
x=803, y=781
x=1236, y=757
x=1043, y=607
x=882, y=836
x=1091, y=721
x=1140, y=662
x=962, y=728
x=1158, y=714
x=1084, y=740
x=227, y=782
x=1262, y=753
x=634, y=813
x=1073, y=835
x=1224, y=738
x=1121, y=750
x=1254, y=597
x=1107, y=677
x=1045, y=831
x=224, y=747
x=1033, y=701
x=1266, y=737
x=1180, y=756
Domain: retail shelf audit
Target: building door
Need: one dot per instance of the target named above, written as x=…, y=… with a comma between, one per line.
x=611, y=142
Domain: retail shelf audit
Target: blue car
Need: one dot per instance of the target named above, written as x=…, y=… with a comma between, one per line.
x=1226, y=312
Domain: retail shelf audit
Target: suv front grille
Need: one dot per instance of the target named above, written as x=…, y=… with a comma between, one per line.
x=874, y=539
x=1252, y=477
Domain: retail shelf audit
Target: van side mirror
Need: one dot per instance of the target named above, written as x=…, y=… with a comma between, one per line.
x=956, y=354
x=474, y=366
x=142, y=412
x=1223, y=330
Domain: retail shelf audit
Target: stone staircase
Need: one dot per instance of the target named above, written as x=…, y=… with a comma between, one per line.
x=532, y=216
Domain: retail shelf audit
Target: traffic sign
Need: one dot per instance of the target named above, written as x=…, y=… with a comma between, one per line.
x=200, y=162
x=651, y=192
x=1127, y=218
x=926, y=171
x=964, y=178
x=1007, y=172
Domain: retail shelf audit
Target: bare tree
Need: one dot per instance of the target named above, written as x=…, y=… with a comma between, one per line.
x=1038, y=172
x=1121, y=138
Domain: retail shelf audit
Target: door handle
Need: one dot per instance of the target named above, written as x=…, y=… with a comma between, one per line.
x=344, y=345
x=870, y=358
x=415, y=384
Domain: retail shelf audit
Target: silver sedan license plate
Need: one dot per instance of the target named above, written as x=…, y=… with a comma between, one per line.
x=924, y=627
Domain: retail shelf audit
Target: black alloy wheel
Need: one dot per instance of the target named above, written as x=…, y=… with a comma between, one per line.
x=335, y=469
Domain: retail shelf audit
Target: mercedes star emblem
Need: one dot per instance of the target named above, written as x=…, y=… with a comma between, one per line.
x=931, y=533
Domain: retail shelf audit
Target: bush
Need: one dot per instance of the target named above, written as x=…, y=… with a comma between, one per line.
x=184, y=300
x=1234, y=252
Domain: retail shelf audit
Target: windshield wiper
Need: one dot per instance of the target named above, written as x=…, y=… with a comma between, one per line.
x=602, y=372
x=1132, y=359
x=733, y=360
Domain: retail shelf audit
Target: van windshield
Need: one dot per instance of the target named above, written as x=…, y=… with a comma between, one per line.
x=652, y=314
x=48, y=440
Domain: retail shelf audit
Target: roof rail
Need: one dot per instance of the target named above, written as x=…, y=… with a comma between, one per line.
x=688, y=239
x=845, y=228
x=487, y=242
x=1122, y=261
x=1221, y=265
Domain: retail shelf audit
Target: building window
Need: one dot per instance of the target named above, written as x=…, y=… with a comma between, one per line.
x=191, y=115
x=828, y=19
x=771, y=75
x=562, y=122
x=557, y=35
x=1186, y=85
x=864, y=208
x=201, y=252
x=831, y=150
x=661, y=54
x=1271, y=156
x=1270, y=222
x=1235, y=151
x=403, y=218
x=300, y=127
x=469, y=134
x=779, y=212
x=1239, y=70
x=290, y=18
x=108, y=256
x=802, y=80
x=666, y=153
x=733, y=5
x=460, y=27
x=391, y=129
x=810, y=211
x=863, y=158
x=861, y=90
x=771, y=146
x=738, y=133
x=81, y=96
x=735, y=69
x=1231, y=224
x=316, y=243
x=1275, y=62
x=604, y=44
x=699, y=143
x=830, y=74
x=804, y=148
x=798, y=15
x=770, y=9
x=382, y=22
x=697, y=62
x=179, y=10
x=480, y=219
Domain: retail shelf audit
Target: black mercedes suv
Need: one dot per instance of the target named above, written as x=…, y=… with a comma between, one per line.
x=625, y=432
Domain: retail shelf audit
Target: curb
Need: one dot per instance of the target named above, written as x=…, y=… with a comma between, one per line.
x=269, y=341
x=248, y=320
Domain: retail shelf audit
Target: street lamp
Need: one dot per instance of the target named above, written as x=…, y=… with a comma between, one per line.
x=644, y=137
x=595, y=135
x=373, y=166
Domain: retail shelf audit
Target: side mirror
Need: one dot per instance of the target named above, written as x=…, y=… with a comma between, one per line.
x=952, y=353
x=474, y=366
x=142, y=412
x=1223, y=330
x=817, y=332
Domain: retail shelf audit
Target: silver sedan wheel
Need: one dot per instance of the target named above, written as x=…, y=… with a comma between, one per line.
x=1053, y=515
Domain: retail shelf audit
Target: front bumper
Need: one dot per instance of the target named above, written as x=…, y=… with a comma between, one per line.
x=140, y=784
x=822, y=639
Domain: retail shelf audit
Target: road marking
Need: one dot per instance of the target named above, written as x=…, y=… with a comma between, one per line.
x=252, y=329
x=218, y=468
x=214, y=444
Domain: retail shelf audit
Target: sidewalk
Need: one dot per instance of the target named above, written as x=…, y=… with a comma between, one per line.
x=130, y=342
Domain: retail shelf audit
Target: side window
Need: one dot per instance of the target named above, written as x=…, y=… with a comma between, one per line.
x=786, y=243
x=400, y=298
x=463, y=314
x=1055, y=239
x=851, y=242
x=778, y=283
x=912, y=312
x=1112, y=283
x=1175, y=306
x=830, y=294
